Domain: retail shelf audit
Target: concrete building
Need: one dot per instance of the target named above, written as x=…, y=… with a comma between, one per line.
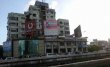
x=40, y=13
x=63, y=27
x=102, y=43
x=63, y=45
x=28, y=29
x=95, y=42
x=16, y=21
x=16, y=25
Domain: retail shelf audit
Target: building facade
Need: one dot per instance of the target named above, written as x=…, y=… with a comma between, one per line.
x=63, y=45
x=63, y=27
x=37, y=32
x=16, y=25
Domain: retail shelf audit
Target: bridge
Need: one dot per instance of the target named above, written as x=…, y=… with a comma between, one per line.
x=60, y=61
x=92, y=63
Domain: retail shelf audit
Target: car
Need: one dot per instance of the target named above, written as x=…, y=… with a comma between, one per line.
x=9, y=58
x=50, y=55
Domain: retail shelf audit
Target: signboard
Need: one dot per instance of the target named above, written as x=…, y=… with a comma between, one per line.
x=50, y=27
x=30, y=25
x=21, y=48
x=7, y=46
x=30, y=28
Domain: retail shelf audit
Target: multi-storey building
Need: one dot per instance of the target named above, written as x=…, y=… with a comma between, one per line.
x=16, y=21
x=40, y=15
x=16, y=25
x=62, y=45
x=63, y=27
x=48, y=35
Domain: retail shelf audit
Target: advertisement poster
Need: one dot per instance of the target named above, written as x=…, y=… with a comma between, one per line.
x=7, y=46
x=21, y=48
x=50, y=27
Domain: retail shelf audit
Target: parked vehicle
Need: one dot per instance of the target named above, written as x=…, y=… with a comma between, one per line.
x=50, y=55
x=9, y=58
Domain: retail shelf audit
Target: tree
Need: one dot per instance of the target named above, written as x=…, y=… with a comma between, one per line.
x=92, y=48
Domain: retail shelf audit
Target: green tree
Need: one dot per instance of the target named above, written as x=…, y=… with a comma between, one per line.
x=92, y=48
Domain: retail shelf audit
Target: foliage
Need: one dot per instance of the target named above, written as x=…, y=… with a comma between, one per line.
x=92, y=48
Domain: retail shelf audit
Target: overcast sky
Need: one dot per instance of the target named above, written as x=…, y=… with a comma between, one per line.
x=92, y=15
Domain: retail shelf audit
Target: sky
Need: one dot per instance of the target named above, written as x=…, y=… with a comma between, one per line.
x=92, y=15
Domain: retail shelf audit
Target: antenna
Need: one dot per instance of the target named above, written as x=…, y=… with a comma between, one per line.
x=43, y=0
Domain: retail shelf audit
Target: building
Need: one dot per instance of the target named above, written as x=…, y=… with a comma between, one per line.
x=102, y=43
x=63, y=45
x=63, y=27
x=17, y=22
x=40, y=12
x=16, y=26
x=95, y=42
x=37, y=32
x=77, y=32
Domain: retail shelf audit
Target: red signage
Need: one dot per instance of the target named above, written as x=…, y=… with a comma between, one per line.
x=30, y=28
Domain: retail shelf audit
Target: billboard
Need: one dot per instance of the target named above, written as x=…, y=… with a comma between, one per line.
x=50, y=27
x=7, y=46
x=21, y=47
x=78, y=32
x=33, y=47
x=30, y=27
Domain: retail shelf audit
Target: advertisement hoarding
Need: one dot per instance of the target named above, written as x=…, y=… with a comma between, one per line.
x=30, y=27
x=7, y=48
x=50, y=27
x=21, y=48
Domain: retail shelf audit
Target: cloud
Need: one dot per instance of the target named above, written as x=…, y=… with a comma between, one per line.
x=31, y=2
x=53, y=4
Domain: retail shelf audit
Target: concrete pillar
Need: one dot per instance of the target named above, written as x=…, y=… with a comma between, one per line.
x=82, y=49
x=52, y=47
x=58, y=47
x=66, y=47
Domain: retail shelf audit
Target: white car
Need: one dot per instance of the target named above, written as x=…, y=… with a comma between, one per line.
x=50, y=55
x=9, y=58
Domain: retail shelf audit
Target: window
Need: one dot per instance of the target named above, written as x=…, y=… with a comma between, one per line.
x=69, y=49
x=14, y=30
x=61, y=22
x=61, y=26
x=22, y=29
x=13, y=24
x=66, y=28
x=22, y=17
x=61, y=32
x=34, y=15
x=48, y=45
x=51, y=16
x=67, y=32
x=66, y=23
x=51, y=12
x=14, y=35
x=62, y=44
x=23, y=23
x=68, y=43
x=13, y=18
